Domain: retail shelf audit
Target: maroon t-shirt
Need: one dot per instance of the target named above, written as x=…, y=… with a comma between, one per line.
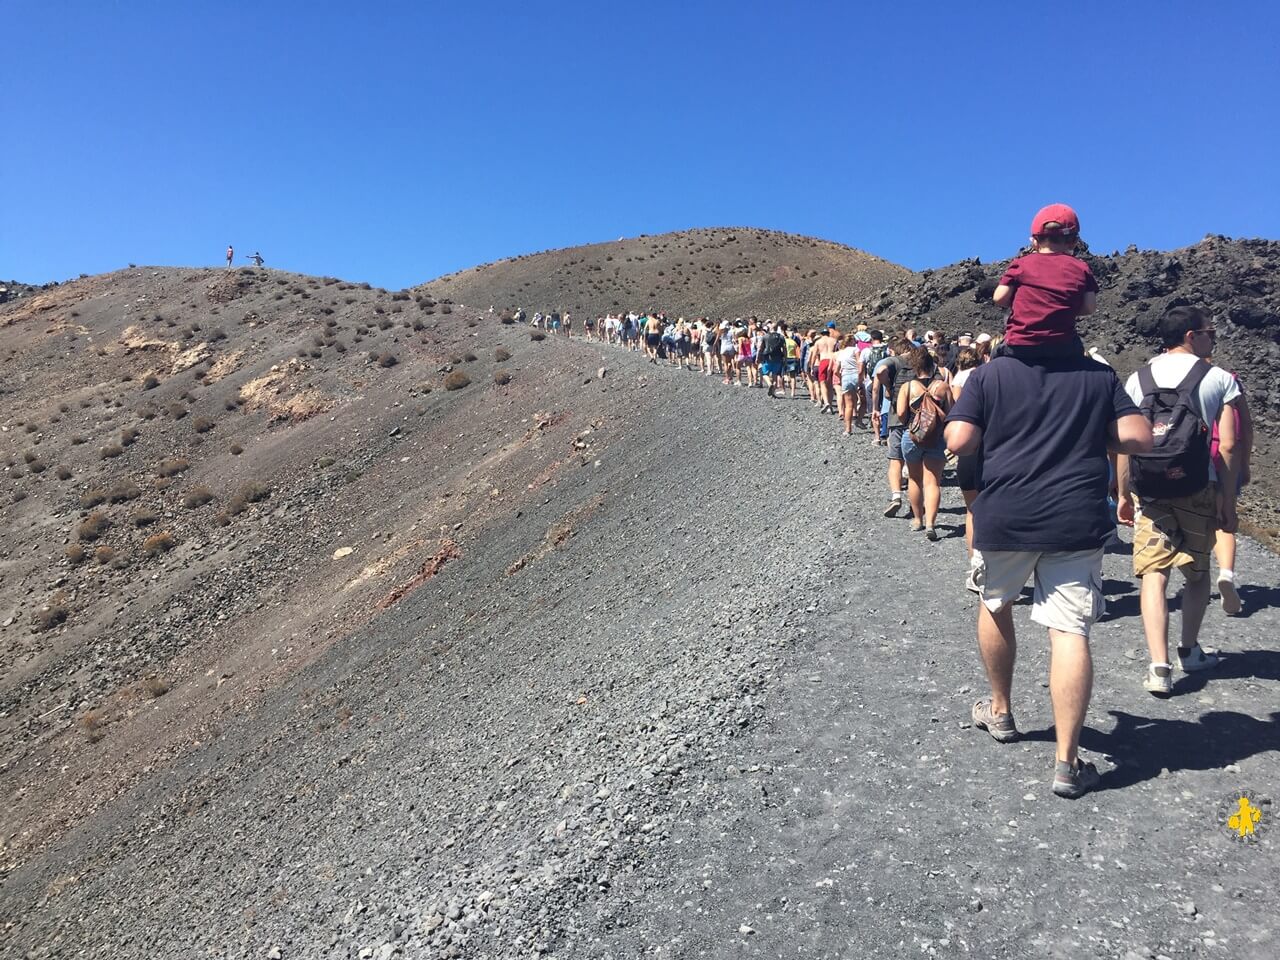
x=1048, y=294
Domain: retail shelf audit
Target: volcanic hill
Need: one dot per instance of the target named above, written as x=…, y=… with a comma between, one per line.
x=720, y=272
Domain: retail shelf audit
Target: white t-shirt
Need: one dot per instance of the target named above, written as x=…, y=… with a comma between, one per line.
x=848, y=360
x=1216, y=389
x=961, y=378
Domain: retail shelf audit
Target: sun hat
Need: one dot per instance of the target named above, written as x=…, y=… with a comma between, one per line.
x=983, y=338
x=1055, y=220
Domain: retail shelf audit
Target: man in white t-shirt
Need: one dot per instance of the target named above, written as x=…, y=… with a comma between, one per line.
x=1178, y=530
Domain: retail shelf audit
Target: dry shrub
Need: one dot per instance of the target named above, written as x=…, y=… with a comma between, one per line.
x=387, y=360
x=92, y=723
x=76, y=553
x=177, y=411
x=30, y=457
x=172, y=466
x=124, y=491
x=46, y=618
x=501, y=355
x=150, y=382
x=155, y=687
x=129, y=436
x=203, y=424
x=469, y=358
x=236, y=449
x=104, y=555
x=197, y=497
x=147, y=413
x=446, y=309
x=456, y=380
x=77, y=441
x=92, y=498
x=501, y=377
x=111, y=450
x=252, y=492
x=158, y=543
x=537, y=336
x=63, y=473
x=144, y=517
x=92, y=527
x=37, y=467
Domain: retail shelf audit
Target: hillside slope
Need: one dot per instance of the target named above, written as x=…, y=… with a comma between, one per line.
x=721, y=272
x=209, y=478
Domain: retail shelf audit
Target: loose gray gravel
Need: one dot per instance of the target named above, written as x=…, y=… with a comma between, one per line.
x=727, y=717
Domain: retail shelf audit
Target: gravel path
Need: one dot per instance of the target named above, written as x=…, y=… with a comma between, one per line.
x=595, y=756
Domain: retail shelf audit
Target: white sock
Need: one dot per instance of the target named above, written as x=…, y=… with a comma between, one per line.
x=1228, y=575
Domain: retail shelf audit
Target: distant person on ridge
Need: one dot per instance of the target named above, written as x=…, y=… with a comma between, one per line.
x=231, y=255
x=1044, y=427
x=1047, y=289
x=256, y=258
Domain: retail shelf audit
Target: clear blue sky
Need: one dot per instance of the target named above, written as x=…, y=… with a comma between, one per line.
x=395, y=141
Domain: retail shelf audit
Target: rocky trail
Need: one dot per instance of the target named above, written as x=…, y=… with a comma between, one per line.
x=696, y=698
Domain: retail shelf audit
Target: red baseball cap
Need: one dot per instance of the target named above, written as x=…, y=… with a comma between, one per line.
x=1065, y=221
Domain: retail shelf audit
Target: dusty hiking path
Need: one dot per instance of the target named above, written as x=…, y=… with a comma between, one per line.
x=719, y=712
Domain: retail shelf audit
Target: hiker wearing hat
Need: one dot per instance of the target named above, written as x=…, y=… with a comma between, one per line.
x=1047, y=289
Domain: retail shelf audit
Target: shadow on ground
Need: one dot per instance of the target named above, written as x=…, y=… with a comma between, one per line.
x=1143, y=747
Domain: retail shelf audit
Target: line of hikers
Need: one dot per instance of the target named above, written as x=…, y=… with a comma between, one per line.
x=1050, y=451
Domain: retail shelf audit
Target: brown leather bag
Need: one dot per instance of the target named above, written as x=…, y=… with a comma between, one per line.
x=926, y=422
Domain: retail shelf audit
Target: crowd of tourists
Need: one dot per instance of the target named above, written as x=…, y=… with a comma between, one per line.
x=1050, y=451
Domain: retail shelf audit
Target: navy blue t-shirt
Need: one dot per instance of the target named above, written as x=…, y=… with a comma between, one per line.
x=1045, y=427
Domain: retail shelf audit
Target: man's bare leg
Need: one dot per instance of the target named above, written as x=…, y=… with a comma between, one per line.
x=1070, y=686
x=999, y=646
x=1155, y=615
x=1195, y=600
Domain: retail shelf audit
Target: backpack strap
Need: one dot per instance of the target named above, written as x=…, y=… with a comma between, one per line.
x=1189, y=388
x=1146, y=381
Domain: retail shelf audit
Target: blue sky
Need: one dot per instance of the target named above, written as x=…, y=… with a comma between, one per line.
x=392, y=142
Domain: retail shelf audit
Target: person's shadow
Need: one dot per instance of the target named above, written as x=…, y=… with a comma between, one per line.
x=1254, y=599
x=1142, y=747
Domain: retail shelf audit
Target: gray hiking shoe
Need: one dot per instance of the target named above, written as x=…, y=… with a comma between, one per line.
x=999, y=725
x=894, y=506
x=1074, y=782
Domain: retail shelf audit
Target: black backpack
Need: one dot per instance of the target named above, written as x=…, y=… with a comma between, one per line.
x=1178, y=464
x=874, y=356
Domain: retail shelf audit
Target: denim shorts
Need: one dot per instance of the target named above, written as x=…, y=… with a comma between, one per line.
x=914, y=453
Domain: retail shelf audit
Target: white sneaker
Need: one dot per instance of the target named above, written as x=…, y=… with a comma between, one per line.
x=1199, y=659
x=1159, y=680
x=1231, y=604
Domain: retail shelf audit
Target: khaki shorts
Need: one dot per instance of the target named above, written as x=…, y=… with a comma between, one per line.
x=1068, y=585
x=1177, y=532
